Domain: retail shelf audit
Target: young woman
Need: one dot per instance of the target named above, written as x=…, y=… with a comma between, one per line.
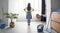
x=28, y=11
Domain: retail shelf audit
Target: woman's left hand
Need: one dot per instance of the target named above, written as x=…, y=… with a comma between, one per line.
x=32, y=9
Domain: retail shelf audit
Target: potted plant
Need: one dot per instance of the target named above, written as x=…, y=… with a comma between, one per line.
x=11, y=16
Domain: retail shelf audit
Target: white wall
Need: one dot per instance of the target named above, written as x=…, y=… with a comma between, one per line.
x=4, y=9
x=55, y=4
x=0, y=11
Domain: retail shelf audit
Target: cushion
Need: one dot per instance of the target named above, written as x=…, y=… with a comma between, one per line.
x=2, y=26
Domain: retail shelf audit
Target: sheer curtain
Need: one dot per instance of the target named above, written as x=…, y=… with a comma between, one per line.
x=36, y=4
x=17, y=6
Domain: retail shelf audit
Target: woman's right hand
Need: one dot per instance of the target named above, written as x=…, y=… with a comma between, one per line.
x=33, y=10
x=24, y=9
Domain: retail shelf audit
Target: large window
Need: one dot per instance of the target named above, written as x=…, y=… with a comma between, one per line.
x=17, y=6
x=36, y=4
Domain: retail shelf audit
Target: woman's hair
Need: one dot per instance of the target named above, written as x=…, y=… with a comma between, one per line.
x=28, y=7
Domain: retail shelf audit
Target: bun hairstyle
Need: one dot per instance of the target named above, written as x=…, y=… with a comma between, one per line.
x=29, y=7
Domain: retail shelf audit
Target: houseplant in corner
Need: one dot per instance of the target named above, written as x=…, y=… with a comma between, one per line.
x=11, y=16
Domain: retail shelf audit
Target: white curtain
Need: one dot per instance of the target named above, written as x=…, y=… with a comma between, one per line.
x=17, y=6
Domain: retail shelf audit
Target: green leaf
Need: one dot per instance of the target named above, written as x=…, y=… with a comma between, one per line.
x=11, y=15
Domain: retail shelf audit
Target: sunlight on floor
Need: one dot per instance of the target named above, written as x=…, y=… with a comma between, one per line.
x=22, y=27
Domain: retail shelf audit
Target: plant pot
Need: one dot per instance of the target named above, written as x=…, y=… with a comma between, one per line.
x=12, y=25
